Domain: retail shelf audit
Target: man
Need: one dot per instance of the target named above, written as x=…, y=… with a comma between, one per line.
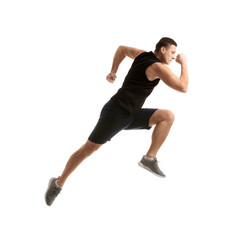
x=124, y=110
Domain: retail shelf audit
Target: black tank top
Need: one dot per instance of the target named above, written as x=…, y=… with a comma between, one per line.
x=136, y=86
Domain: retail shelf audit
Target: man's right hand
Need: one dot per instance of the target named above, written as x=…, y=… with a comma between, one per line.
x=111, y=77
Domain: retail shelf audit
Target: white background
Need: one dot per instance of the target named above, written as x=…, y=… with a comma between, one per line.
x=54, y=57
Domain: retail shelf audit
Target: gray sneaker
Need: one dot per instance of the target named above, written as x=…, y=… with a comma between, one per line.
x=152, y=166
x=52, y=191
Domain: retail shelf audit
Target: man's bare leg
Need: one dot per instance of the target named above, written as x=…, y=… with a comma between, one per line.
x=163, y=119
x=55, y=185
x=76, y=158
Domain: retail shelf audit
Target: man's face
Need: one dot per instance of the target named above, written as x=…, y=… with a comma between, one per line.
x=168, y=53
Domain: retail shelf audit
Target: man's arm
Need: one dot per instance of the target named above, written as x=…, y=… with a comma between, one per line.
x=119, y=56
x=168, y=77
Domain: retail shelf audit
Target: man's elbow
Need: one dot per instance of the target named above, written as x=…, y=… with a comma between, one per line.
x=184, y=85
x=121, y=50
x=184, y=90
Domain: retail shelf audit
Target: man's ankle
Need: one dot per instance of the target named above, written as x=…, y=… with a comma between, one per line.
x=149, y=158
x=59, y=183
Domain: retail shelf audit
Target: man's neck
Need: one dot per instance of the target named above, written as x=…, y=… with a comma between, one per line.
x=159, y=57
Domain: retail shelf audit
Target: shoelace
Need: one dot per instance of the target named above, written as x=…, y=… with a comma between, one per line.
x=155, y=161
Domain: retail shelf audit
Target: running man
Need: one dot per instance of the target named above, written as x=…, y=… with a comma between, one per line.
x=124, y=110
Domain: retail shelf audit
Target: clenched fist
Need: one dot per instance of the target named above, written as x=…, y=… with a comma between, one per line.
x=181, y=59
x=111, y=77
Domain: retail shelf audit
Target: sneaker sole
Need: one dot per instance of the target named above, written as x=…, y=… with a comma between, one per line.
x=147, y=168
x=49, y=184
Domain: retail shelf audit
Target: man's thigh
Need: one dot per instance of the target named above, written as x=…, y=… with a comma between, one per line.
x=141, y=119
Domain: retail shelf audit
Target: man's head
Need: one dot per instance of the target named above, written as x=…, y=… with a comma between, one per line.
x=165, y=50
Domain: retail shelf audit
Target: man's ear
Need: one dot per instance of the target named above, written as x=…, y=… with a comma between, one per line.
x=163, y=49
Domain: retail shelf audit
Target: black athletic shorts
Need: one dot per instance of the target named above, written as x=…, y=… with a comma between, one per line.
x=114, y=118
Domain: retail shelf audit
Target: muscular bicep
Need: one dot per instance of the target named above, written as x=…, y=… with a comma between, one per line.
x=130, y=51
x=168, y=77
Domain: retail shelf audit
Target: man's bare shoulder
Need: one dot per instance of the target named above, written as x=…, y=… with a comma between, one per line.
x=131, y=51
x=157, y=70
x=157, y=67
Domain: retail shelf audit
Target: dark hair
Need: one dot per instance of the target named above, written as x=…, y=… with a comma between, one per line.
x=164, y=42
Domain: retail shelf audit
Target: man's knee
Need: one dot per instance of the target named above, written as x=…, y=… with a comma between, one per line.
x=169, y=116
x=162, y=115
x=90, y=147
